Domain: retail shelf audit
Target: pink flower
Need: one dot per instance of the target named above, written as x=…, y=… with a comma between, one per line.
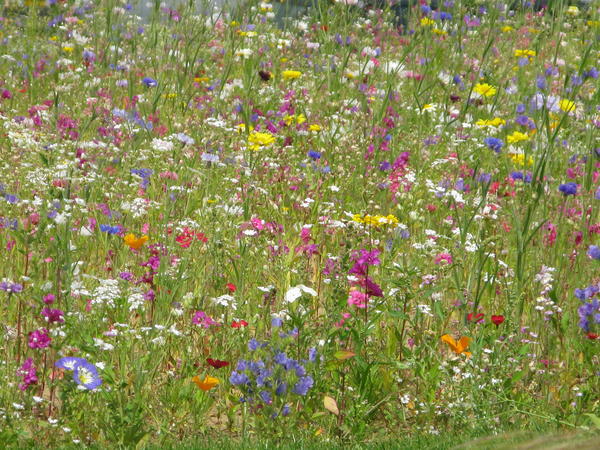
x=358, y=299
x=445, y=258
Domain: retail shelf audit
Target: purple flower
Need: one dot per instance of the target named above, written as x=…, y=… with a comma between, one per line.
x=569, y=188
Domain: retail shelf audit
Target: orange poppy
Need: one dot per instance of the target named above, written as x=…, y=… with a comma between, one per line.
x=135, y=243
x=207, y=384
x=459, y=346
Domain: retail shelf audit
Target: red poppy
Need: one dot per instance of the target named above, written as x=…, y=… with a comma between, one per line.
x=592, y=336
x=231, y=287
x=217, y=363
x=497, y=320
x=239, y=324
x=471, y=317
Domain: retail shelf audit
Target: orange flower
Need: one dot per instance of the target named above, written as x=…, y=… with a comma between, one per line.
x=458, y=347
x=207, y=384
x=136, y=243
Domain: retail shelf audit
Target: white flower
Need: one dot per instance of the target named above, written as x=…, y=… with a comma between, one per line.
x=295, y=293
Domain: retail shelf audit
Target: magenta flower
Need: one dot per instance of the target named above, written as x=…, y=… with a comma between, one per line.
x=29, y=374
x=204, y=320
x=39, y=338
x=53, y=315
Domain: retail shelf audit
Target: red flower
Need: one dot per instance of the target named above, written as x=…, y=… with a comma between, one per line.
x=186, y=238
x=231, y=287
x=471, y=317
x=217, y=363
x=497, y=320
x=239, y=324
x=592, y=336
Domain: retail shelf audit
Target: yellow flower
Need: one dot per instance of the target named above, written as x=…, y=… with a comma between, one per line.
x=440, y=32
x=135, y=243
x=507, y=28
x=288, y=119
x=573, y=10
x=458, y=347
x=426, y=22
x=517, y=136
x=485, y=90
x=207, y=384
x=377, y=221
x=314, y=127
x=300, y=119
x=291, y=74
x=258, y=140
x=525, y=53
x=518, y=159
x=495, y=122
x=68, y=49
x=567, y=105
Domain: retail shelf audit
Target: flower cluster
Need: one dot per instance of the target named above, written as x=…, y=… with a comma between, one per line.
x=268, y=380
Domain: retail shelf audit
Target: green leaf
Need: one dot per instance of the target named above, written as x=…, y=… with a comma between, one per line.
x=342, y=355
x=594, y=419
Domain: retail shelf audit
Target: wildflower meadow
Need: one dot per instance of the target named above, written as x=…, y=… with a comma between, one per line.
x=327, y=223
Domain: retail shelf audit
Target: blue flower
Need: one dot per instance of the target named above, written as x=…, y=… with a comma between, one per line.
x=276, y=322
x=569, y=188
x=238, y=378
x=69, y=362
x=303, y=385
x=494, y=144
x=597, y=194
x=86, y=375
x=594, y=252
x=150, y=82
x=109, y=229
x=314, y=155
x=312, y=354
x=253, y=344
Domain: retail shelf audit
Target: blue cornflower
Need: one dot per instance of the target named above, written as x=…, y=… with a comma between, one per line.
x=109, y=229
x=597, y=194
x=303, y=385
x=314, y=155
x=86, y=375
x=276, y=322
x=150, y=82
x=312, y=354
x=569, y=188
x=494, y=144
x=594, y=252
